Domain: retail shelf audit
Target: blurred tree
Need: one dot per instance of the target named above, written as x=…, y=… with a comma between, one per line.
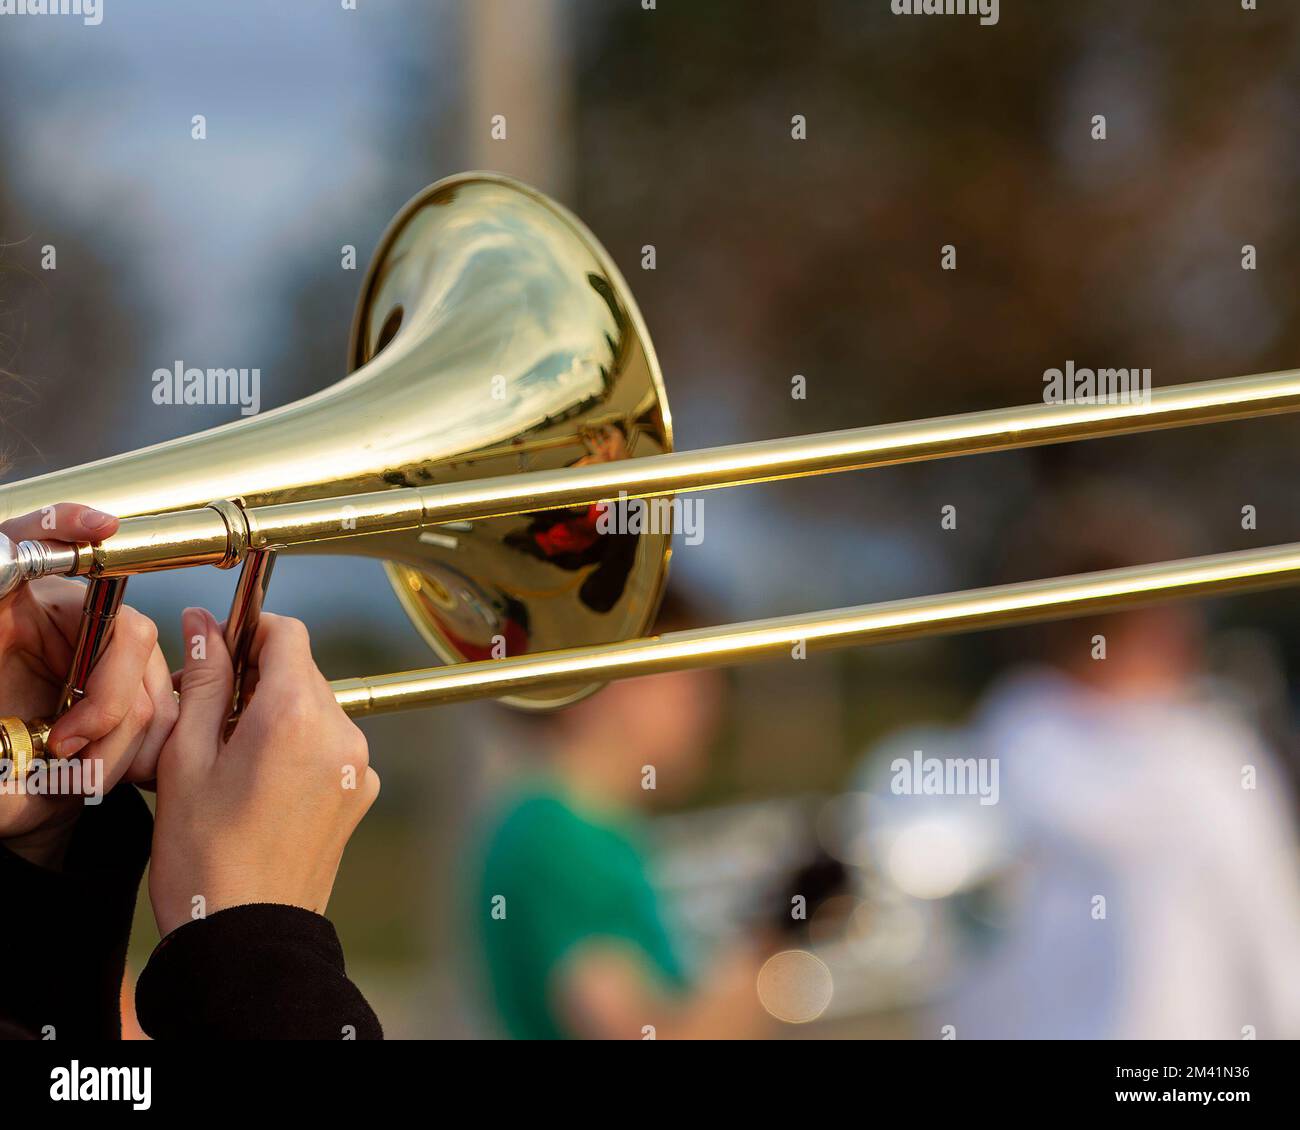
x=823, y=257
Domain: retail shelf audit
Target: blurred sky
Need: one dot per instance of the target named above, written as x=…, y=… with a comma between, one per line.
x=292, y=150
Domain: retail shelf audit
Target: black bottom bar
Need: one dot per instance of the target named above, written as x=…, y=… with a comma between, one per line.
x=862, y=1080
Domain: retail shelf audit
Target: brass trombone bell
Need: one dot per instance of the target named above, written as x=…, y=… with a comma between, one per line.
x=493, y=335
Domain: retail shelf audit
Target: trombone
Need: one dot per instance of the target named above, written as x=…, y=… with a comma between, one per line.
x=505, y=394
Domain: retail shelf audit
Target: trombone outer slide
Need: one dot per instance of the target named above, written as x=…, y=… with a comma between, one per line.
x=865, y=625
x=913, y=618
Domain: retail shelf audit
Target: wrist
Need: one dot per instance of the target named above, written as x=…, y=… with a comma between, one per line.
x=184, y=890
x=172, y=919
x=171, y=912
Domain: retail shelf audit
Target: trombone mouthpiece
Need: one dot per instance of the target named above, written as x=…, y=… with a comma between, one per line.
x=24, y=561
x=22, y=743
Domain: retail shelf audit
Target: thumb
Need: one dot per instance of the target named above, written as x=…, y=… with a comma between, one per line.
x=207, y=682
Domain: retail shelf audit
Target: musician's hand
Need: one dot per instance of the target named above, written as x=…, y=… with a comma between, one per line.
x=128, y=710
x=264, y=816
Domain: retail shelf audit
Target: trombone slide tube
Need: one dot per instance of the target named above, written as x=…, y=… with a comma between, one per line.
x=1026, y=602
x=864, y=625
x=854, y=449
x=219, y=534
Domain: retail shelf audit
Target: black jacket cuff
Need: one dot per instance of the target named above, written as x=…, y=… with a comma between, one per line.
x=74, y=924
x=257, y=972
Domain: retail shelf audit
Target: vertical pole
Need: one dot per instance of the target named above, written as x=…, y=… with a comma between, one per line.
x=520, y=79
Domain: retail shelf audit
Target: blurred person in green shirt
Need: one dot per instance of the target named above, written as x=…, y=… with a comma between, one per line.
x=571, y=930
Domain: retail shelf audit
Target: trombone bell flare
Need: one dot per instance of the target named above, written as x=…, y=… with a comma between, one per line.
x=493, y=335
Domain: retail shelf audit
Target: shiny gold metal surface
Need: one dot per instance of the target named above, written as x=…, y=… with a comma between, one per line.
x=19, y=745
x=913, y=618
x=493, y=335
x=547, y=363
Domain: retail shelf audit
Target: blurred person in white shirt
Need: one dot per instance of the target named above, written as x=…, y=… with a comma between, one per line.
x=1131, y=778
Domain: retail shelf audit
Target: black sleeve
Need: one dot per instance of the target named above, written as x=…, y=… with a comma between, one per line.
x=257, y=972
x=66, y=931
